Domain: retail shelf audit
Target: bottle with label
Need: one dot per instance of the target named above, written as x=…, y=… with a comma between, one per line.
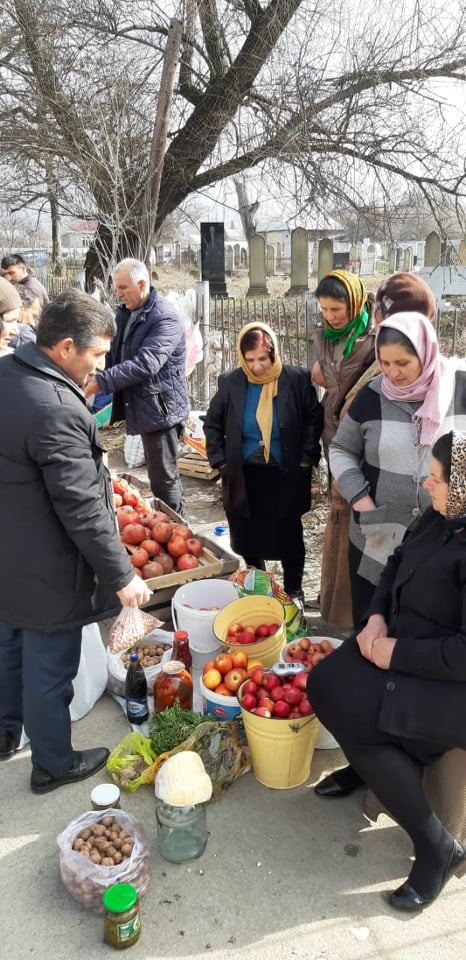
x=137, y=707
x=173, y=683
x=181, y=649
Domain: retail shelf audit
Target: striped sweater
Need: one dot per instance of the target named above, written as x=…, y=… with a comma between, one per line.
x=376, y=451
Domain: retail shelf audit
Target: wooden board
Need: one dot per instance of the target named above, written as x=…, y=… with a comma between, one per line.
x=193, y=465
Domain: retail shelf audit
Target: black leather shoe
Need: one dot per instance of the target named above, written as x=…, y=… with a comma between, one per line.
x=8, y=744
x=86, y=763
x=330, y=787
x=407, y=898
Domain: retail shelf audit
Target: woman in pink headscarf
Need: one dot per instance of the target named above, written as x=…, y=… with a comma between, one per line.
x=380, y=454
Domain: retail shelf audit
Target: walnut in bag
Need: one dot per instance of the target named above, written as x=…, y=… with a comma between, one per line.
x=131, y=625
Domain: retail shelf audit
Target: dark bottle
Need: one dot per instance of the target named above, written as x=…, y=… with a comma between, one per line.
x=181, y=649
x=137, y=707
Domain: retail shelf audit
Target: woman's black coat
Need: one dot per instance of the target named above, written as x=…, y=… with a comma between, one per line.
x=300, y=419
x=422, y=595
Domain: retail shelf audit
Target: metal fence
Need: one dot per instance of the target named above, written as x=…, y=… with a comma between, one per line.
x=292, y=321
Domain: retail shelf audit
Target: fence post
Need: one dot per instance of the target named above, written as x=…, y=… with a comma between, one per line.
x=203, y=318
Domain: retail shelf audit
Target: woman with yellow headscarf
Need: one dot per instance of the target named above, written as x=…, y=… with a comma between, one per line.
x=262, y=429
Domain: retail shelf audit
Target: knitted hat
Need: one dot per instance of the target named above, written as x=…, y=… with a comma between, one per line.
x=9, y=296
x=405, y=292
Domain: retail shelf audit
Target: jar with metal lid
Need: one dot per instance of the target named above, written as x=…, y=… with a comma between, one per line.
x=181, y=831
x=122, y=922
x=105, y=796
x=173, y=683
x=181, y=649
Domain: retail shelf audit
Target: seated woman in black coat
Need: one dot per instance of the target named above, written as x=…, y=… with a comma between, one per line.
x=394, y=696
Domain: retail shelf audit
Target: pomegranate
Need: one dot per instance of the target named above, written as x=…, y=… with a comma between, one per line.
x=133, y=533
x=187, y=562
x=162, y=531
x=152, y=569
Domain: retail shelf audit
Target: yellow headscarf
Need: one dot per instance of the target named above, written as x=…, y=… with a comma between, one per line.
x=264, y=413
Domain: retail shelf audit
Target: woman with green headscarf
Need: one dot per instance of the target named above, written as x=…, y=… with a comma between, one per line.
x=343, y=344
x=343, y=347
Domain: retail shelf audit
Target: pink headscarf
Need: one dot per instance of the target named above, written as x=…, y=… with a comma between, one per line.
x=435, y=384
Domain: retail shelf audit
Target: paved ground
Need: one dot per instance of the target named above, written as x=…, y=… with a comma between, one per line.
x=284, y=875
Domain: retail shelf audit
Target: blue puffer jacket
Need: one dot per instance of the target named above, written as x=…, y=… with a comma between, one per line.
x=149, y=382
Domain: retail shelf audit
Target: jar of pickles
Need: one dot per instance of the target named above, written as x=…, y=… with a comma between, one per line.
x=122, y=924
x=173, y=683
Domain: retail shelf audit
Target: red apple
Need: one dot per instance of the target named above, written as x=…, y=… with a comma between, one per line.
x=257, y=674
x=282, y=709
x=233, y=679
x=305, y=708
x=235, y=629
x=262, y=631
x=249, y=701
x=250, y=687
x=246, y=637
x=293, y=697
x=262, y=712
x=300, y=681
x=270, y=681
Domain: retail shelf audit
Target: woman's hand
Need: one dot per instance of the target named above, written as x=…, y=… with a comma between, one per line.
x=375, y=627
x=364, y=504
x=382, y=650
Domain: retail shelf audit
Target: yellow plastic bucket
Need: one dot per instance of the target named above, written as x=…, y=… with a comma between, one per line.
x=281, y=750
x=253, y=611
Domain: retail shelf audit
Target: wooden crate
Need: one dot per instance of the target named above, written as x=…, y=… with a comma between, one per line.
x=193, y=465
x=214, y=562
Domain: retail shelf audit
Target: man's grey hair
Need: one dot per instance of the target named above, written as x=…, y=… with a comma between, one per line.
x=136, y=269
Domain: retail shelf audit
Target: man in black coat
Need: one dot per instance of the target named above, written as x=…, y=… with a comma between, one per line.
x=61, y=564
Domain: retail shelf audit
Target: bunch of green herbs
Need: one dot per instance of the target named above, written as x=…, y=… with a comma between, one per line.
x=172, y=726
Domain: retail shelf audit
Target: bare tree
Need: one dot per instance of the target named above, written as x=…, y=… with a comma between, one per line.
x=331, y=104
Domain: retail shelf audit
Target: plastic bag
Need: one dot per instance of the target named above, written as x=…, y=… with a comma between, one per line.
x=87, y=881
x=252, y=582
x=91, y=678
x=131, y=625
x=116, y=670
x=219, y=746
x=133, y=452
x=130, y=762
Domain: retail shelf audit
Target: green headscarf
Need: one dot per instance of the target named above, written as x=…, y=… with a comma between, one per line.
x=359, y=311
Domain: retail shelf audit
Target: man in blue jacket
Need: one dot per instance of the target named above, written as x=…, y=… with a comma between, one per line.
x=146, y=374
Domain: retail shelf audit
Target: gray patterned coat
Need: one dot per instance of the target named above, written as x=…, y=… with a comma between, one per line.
x=376, y=451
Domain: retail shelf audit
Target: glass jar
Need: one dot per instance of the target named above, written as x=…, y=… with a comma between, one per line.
x=181, y=649
x=105, y=796
x=181, y=831
x=173, y=683
x=122, y=922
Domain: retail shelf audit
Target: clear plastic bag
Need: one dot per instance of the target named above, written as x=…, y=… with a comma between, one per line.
x=131, y=625
x=87, y=881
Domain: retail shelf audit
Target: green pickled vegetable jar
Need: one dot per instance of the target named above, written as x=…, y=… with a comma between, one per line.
x=122, y=923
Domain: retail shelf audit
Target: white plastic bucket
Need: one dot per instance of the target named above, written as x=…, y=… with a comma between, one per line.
x=187, y=614
x=325, y=739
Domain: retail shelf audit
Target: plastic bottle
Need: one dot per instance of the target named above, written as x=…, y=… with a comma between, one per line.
x=181, y=649
x=137, y=707
x=221, y=536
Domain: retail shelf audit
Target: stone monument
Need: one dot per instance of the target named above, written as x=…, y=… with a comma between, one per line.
x=299, y=263
x=213, y=258
x=257, y=283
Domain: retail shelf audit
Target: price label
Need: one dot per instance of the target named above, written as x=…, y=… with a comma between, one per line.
x=282, y=668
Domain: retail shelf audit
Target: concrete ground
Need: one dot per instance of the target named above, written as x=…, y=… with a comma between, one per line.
x=284, y=875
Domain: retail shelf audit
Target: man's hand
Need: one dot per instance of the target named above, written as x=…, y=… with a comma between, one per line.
x=135, y=593
x=375, y=627
x=92, y=387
